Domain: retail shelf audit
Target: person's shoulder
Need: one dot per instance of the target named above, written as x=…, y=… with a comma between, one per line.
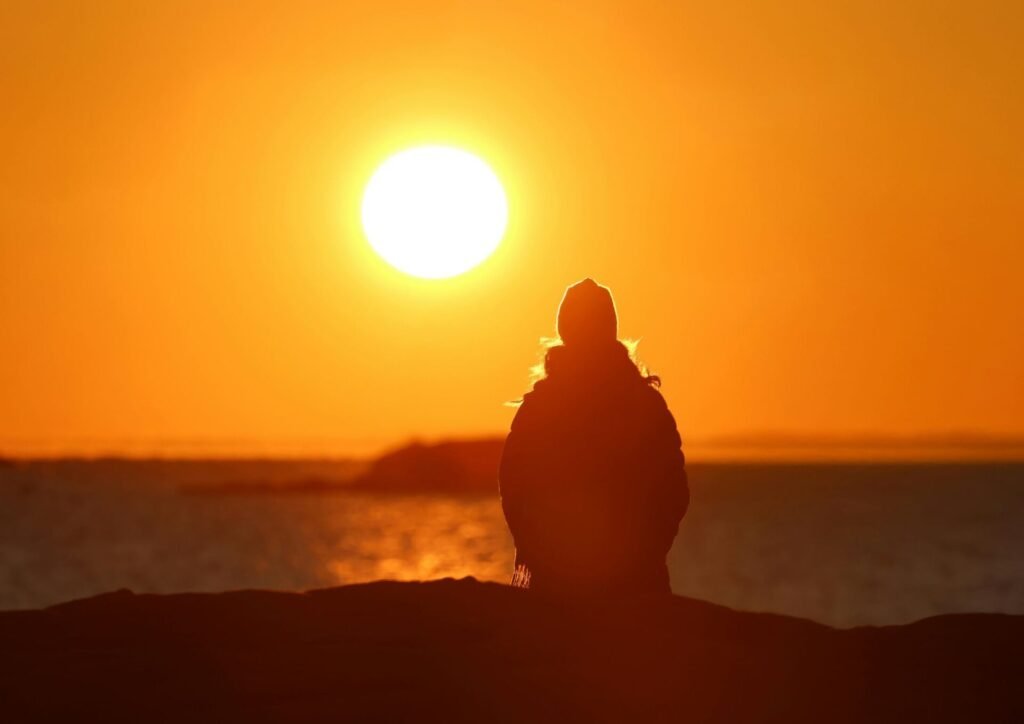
x=652, y=396
x=540, y=391
x=533, y=403
x=657, y=407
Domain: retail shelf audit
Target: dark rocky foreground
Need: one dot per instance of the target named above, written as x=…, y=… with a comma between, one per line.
x=467, y=651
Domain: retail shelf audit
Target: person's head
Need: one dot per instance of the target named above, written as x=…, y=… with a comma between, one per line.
x=587, y=316
x=588, y=347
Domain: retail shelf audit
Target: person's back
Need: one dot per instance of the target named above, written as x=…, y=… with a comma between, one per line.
x=593, y=480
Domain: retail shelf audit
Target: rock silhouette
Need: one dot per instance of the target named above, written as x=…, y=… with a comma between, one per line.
x=463, y=651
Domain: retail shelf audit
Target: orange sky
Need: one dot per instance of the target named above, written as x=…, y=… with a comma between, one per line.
x=813, y=216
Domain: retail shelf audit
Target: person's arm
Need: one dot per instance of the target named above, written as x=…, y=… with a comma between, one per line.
x=514, y=472
x=672, y=490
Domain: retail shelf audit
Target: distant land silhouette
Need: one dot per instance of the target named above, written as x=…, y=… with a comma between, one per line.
x=463, y=651
x=455, y=466
x=952, y=445
x=469, y=466
x=796, y=446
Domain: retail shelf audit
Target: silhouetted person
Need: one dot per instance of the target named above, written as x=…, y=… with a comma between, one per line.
x=593, y=479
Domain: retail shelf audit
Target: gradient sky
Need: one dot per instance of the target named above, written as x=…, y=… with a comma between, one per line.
x=811, y=213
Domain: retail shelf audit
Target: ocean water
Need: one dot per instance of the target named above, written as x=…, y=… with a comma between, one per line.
x=842, y=544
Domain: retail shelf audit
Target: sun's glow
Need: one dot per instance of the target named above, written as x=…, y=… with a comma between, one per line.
x=434, y=211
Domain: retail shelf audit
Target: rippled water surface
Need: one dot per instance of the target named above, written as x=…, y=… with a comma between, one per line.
x=841, y=544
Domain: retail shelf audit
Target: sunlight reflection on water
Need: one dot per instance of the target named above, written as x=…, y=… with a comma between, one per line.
x=414, y=538
x=63, y=539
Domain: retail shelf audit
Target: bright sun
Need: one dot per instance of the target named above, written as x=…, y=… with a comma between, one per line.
x=434, y=211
